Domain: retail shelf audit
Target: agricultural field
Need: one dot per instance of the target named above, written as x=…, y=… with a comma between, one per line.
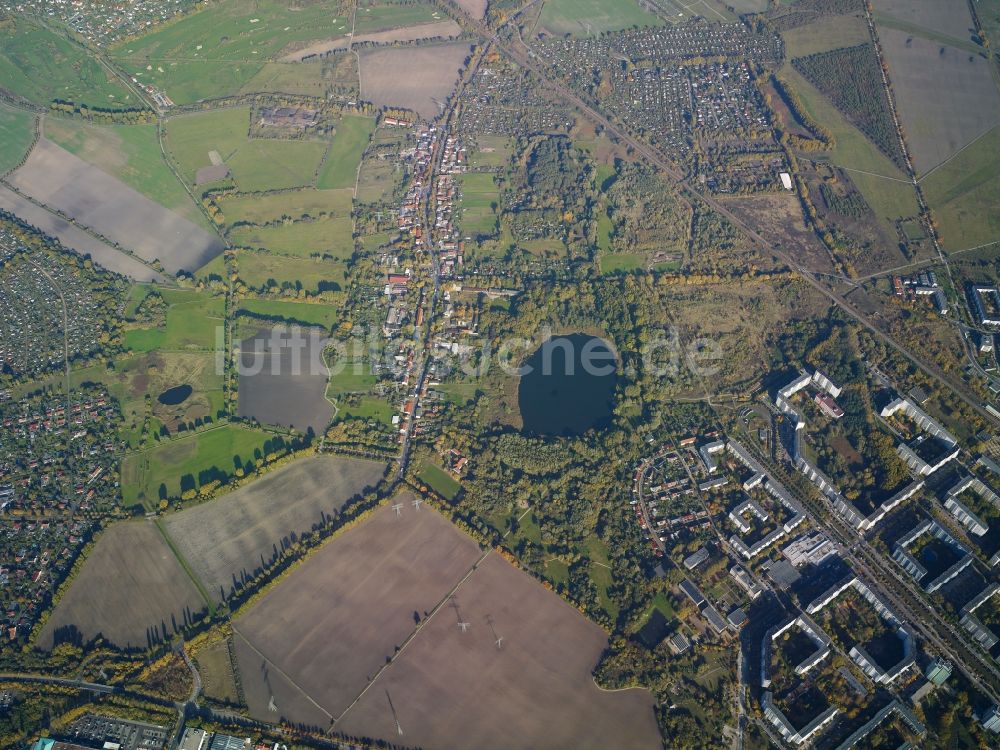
x=417, y=78
x=475, y=8
x=255, y=163
x=132, y=590
x=324, y=237
x=283, y=383
x=75, y=239
x=963, y=194
x=441, y=682
x=946, y=97
x=42, y=66
x=824, y=34
x=185, y=463
x=432, y=30
x=225, y=541
x=263, y=270
x=16, y=136
x=60, y=180
x=340, y=168
x=480, y=203
x=215, y=51
x=296, y=204
x=350, y=604
x=302, y=313
x=130, y=153
x=948, y=17
x=592, y=17
x=193, y=321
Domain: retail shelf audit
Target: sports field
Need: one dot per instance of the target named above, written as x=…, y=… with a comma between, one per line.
x=480, y=196
x=440, y=481
x=227, y=539
x=132, y=154
x=255, y=163
x=95, y=199
x=42, y=66
x=132, y=590
x=325, y=237
x=16, y=135
x=189, y=461
x=217, y=50
x=340, y=169
x=591, y=17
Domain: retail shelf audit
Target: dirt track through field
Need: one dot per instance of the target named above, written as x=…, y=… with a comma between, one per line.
x=438, y=29
x=56, y=178
x=334, y=640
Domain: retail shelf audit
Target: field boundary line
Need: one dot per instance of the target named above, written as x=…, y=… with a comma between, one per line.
x=973, y=142
x=202, y=591
x=280, y=671
x=416, y=631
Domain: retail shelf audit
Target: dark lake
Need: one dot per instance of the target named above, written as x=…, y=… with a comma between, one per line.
x=570, y=386
x=176, y=395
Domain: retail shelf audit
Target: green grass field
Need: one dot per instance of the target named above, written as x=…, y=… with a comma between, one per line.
x=341, y=167
x=479, y=196
x=42, y=66
x=439, y=480
x=368, y=408
x=301, y=238
x=216, y=51
x=964, y=195
x=349, y=375
x=571, y=16
x=256, y=164
x=188, y=456
x=16, y=134
x=261, y=209
x=132, y=154
x=492, y=151
x=824, y=34
x=304, y=313
x=302, y=78
x=379, y=17
x=257, y=269
x=620, y=263
x=192, y=320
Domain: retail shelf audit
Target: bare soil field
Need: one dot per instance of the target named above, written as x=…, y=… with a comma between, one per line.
x=57, y=178
x=475, y=8
x=331, y=624
x=282, y=386
x=949, y=17
x=132, y=590
x=75, y=239
x=231, y=537
x=438, y=29
x=454, y=689
x=946, y=96
x=416, y=78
